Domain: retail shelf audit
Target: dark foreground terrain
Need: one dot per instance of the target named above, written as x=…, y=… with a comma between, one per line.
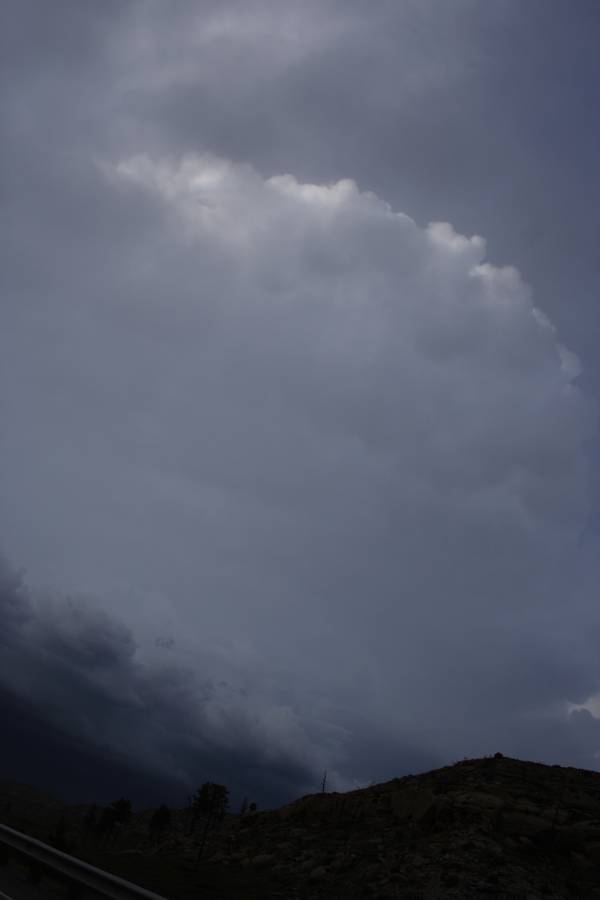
x=490, y=828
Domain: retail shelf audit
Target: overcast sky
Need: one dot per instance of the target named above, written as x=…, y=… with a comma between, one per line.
x=298, y=390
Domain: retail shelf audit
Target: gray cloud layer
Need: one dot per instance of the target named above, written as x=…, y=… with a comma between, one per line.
x=323, y=470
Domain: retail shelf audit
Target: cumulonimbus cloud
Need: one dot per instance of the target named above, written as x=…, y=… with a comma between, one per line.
x=361, y=450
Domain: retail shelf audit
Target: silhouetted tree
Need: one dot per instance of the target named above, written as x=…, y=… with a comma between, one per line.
x=160, y=820
x=106, y=823
x=121, y=810
x=209, y=802
x=112, y=816
x=252, y=808
x=59, y=838
x=244, y=807
x=190, y=814
x=90, y=822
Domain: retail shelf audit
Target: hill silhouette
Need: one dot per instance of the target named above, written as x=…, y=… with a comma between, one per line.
x=495, y=827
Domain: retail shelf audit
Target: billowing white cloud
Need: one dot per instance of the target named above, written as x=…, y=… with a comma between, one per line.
x=340, y=460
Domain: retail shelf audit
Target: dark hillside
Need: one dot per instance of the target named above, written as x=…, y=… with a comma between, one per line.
x=494, y=827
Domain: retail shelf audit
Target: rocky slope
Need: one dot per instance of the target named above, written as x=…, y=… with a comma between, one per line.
x=494, y=827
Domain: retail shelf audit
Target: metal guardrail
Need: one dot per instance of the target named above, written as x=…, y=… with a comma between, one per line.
x=75, y=870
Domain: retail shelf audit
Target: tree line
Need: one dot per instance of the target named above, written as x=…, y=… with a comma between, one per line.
x=206, y=810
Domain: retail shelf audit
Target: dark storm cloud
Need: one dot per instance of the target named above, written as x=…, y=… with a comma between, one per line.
x=324, y=470
x=101, y=721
